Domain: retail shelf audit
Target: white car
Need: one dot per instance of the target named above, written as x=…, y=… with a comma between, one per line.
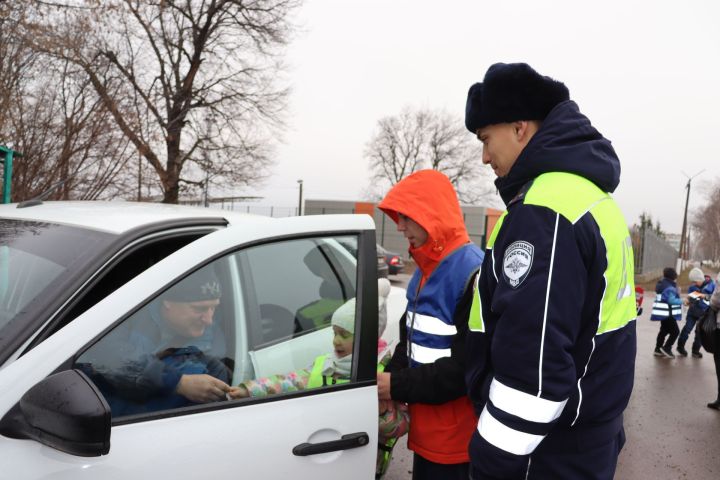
x=75, y=274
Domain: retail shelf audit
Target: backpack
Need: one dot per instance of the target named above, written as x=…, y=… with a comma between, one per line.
x=705, y=330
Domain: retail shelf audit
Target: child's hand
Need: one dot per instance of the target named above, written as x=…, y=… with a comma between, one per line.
x=383, y=384
x=238, y=392
x=386, y=406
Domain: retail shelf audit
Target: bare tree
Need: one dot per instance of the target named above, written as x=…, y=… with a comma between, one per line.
x=706, y=225
x=15, y=58
x=645, y=221
x=396, y=150
x=191, y=84
x=58, y=124
x=422, y=138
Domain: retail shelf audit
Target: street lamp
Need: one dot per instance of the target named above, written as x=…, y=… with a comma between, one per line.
x=300, y=183
x=683, y=241
x=209, y=121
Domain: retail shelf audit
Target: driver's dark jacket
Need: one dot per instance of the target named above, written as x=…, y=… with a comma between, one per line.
x=138, y=372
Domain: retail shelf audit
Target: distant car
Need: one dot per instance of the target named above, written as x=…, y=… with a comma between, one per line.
x=383, y=268
x=74, y=274
x=393, y=260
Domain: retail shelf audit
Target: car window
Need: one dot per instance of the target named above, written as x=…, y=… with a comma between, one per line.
x=131, y=263
x=299, y=284
x=269, y=319
x=33, y=256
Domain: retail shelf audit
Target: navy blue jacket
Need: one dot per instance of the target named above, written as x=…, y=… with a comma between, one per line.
x=667, y=302
x=138, y=371
x=541, y=352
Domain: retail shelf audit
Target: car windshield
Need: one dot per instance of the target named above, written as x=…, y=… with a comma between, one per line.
x=36, y=261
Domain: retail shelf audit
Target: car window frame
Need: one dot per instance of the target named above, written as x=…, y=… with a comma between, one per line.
x=42, y=327
x=363, y=372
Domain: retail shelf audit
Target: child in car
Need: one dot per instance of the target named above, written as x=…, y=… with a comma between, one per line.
x=334, y=368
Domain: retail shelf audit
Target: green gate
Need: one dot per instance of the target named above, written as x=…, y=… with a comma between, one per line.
x=6, y=158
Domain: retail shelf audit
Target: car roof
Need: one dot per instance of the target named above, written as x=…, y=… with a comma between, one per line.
x=117, y=216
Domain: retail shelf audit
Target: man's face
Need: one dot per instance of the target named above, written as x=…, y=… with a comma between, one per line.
x=415, y=234
x=189, y=319
x=501, y=146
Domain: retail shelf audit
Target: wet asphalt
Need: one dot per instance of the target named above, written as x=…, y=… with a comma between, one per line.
x=671, y=434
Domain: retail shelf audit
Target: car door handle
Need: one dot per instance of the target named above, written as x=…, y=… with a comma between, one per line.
x=346, y=442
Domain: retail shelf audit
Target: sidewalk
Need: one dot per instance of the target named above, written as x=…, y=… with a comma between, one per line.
x=671, y=434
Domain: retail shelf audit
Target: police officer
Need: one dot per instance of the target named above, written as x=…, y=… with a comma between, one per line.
x=551, y=348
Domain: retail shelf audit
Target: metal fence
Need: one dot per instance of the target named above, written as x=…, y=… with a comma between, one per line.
x=652, y=253
x=266, y=211
x=386, y=230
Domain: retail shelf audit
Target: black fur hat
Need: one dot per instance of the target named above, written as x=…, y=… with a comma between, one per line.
x=512, y=92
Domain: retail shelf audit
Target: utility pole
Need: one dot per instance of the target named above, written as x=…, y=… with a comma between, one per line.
x=300, y=182
x=683, y=239
x=209, y=120
x=139, y=196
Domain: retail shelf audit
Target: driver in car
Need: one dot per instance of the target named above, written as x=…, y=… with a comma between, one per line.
x=167, y=355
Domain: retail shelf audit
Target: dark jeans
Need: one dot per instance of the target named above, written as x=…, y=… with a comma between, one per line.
x=685, y=334
x=667, y=327
x=424, y=469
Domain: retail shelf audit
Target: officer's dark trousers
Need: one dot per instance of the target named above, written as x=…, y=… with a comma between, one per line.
x=597, y=463
x=670, y=328
x=424, y=469
x=716, y=357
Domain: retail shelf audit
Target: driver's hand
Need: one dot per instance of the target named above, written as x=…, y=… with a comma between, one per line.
x=202, y=388
x=238, y=392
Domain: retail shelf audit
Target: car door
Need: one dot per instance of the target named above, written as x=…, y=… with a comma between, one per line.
x=303, y=432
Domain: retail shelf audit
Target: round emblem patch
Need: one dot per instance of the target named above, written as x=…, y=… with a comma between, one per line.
x=517, y=262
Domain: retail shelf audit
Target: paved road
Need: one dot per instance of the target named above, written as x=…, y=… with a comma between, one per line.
x=671, y=434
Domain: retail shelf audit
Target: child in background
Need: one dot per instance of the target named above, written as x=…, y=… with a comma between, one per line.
x=639, y=296
x=667, y=309
x=334, y=368
x=698, y=300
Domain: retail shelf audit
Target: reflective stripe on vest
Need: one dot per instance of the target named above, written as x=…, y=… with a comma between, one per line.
x=664, y=310
x=317, y=379
x=572, y=197
x=476, y=322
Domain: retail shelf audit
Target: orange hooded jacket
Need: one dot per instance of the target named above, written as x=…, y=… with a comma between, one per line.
x=438, y=432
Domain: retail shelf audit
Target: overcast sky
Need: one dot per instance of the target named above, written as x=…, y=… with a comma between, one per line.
x=645, y=73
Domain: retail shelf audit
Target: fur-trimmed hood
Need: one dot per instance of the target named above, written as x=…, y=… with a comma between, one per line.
x=565, y=142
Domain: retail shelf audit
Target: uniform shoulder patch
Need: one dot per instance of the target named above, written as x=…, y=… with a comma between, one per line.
x=517, y=262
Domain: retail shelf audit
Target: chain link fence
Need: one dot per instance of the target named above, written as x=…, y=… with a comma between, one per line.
x=234, y=205
x=386, y=231
x=652, y=254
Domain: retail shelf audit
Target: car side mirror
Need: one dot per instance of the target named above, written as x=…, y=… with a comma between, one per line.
x=64, y=411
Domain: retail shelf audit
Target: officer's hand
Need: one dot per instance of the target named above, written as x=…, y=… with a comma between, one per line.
x=202, y=388
x=383, y=383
